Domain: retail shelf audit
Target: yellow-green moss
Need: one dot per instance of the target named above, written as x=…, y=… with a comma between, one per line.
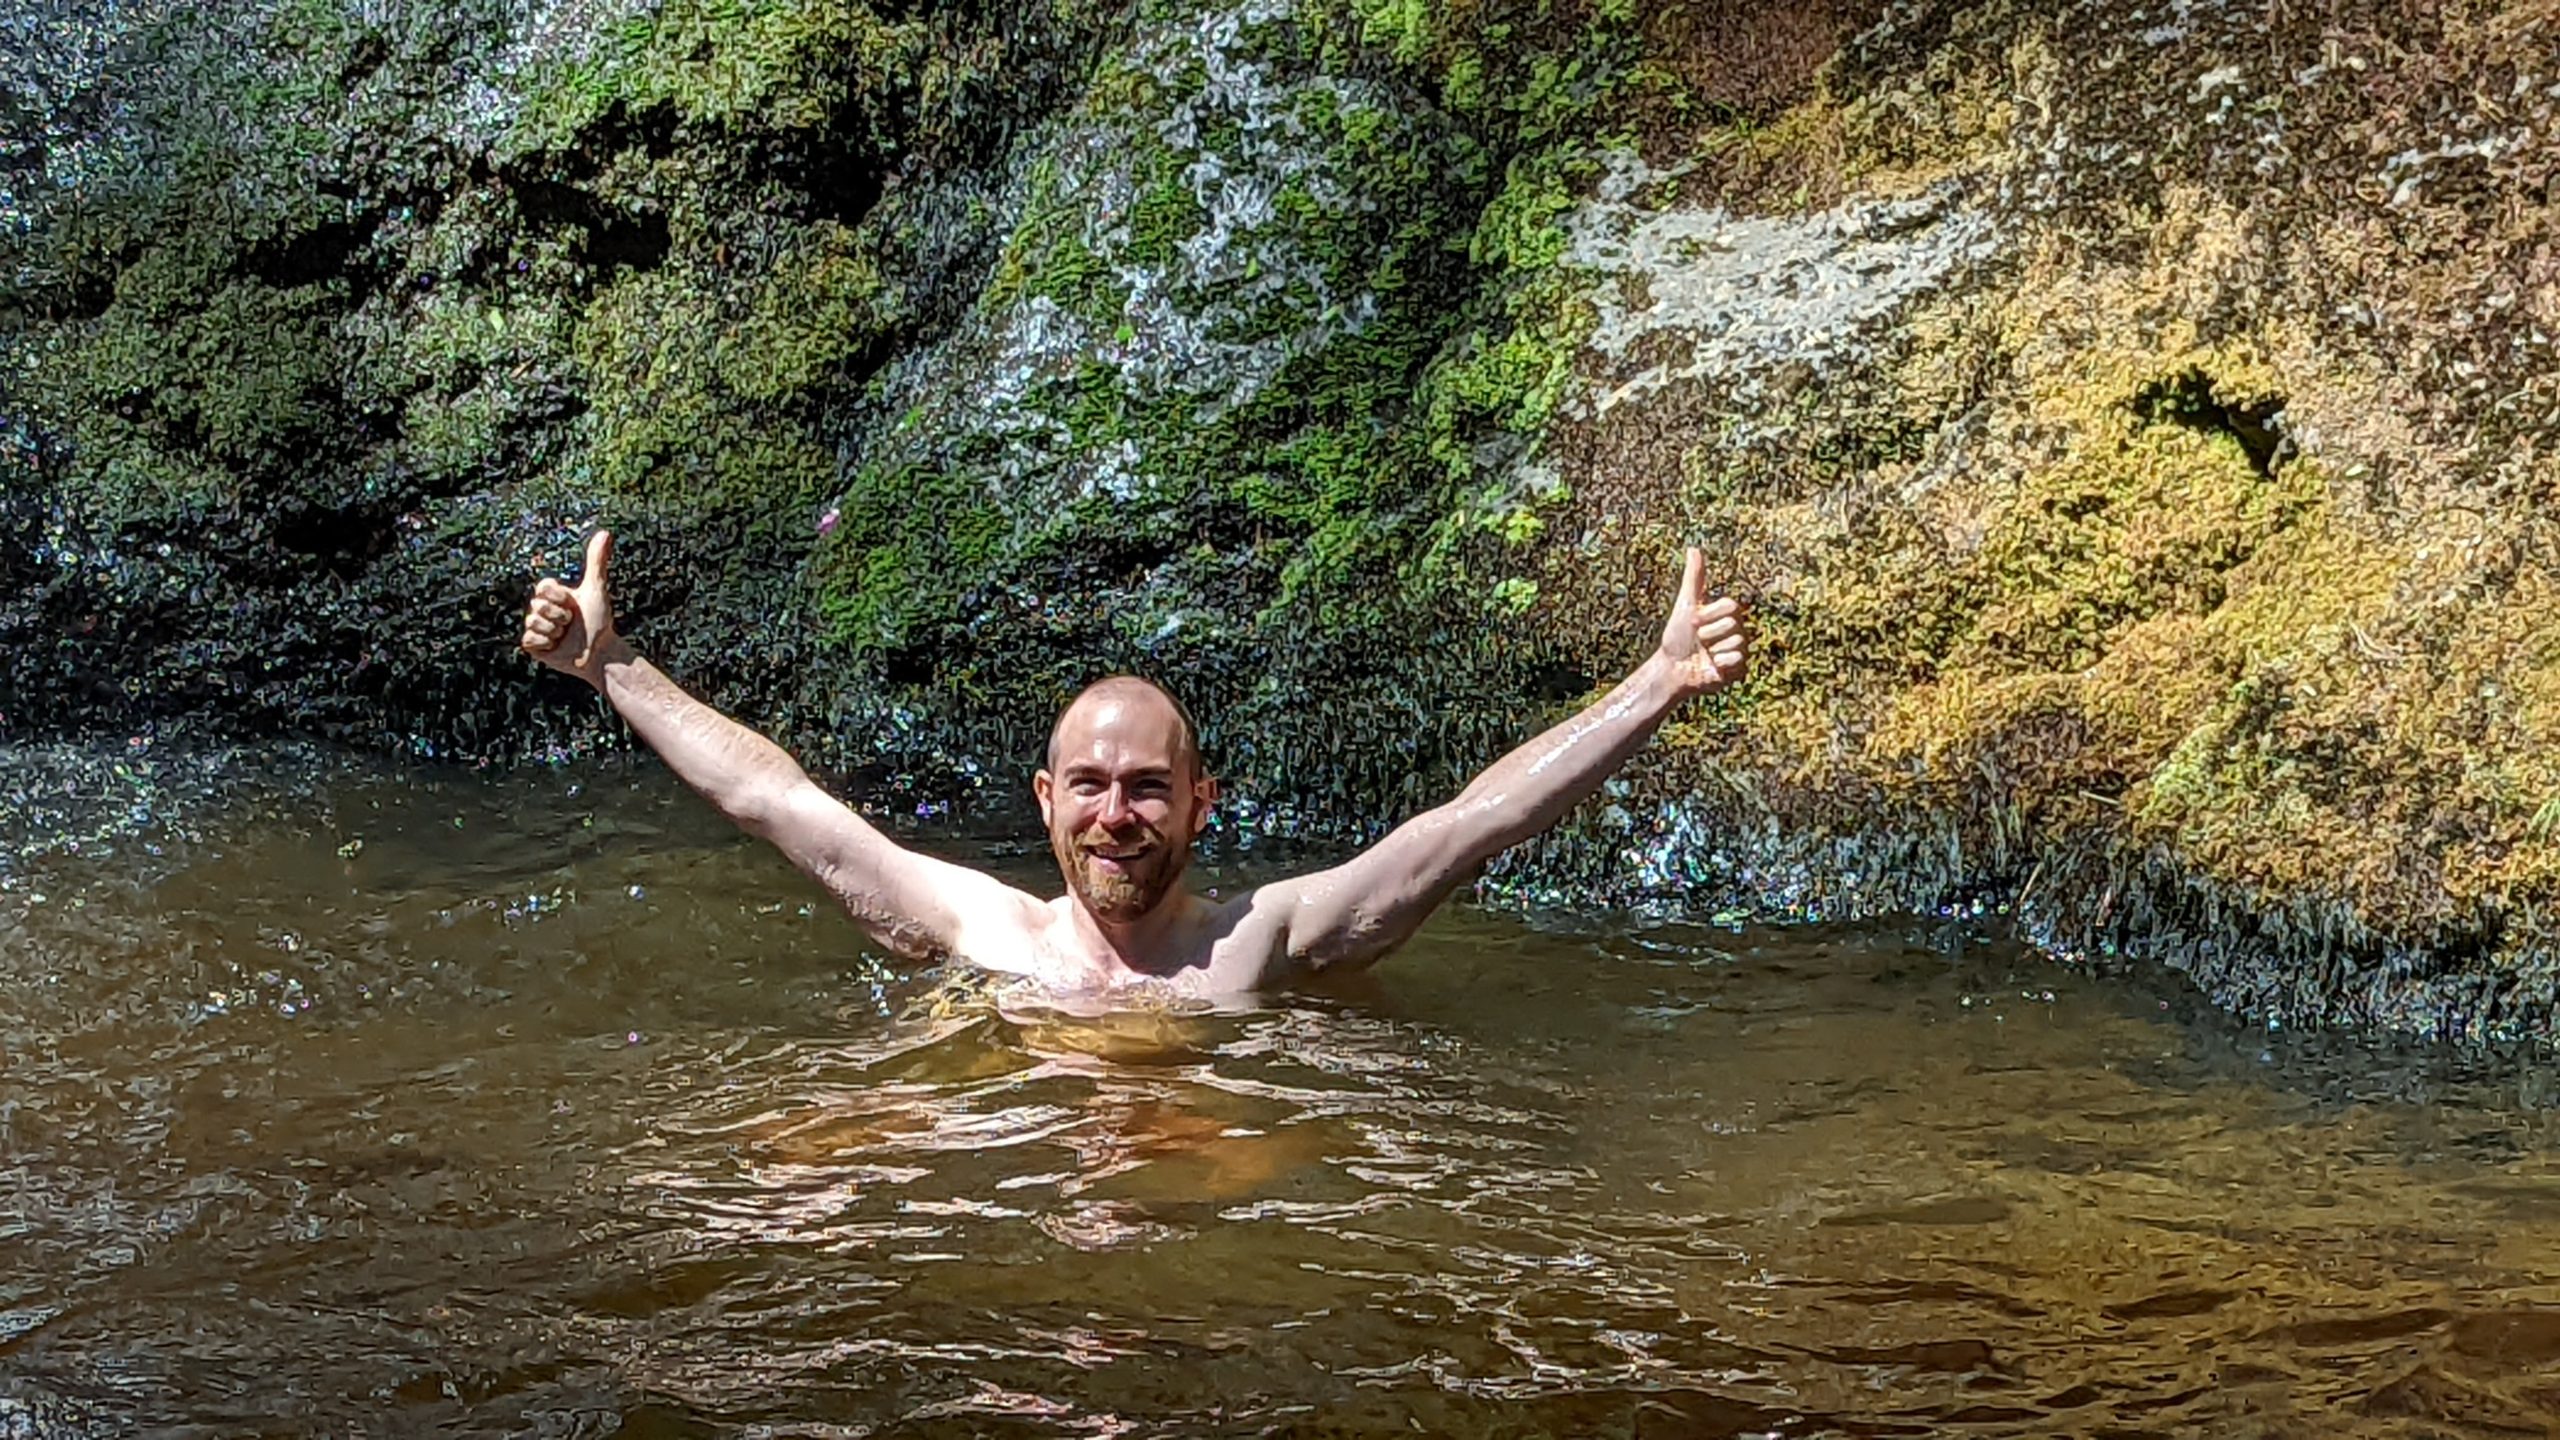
x=2133, y=610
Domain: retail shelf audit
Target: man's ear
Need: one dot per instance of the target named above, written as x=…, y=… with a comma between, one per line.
x=1204, y=798
x=1044, y=790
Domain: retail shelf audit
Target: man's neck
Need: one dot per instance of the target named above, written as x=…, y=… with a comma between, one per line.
x=1153, y=944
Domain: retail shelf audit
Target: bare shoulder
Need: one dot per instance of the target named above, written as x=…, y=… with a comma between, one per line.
x=1349, y=915
x=1248, y=940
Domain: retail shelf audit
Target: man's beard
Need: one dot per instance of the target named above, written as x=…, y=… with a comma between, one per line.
x=1120, y=895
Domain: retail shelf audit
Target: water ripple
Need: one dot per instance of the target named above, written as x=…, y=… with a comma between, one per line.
x=367, y=1138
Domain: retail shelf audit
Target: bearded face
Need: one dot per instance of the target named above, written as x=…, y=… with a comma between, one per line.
x=1123, y=798
x=1119, y=875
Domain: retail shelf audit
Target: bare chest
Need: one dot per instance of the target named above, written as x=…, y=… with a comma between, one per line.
x=1216, y=950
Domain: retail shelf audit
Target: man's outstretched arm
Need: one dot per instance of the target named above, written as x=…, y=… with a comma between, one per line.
x=912, y=904
x=1373, y=902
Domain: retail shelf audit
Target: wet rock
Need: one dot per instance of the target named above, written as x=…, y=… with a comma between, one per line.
x=2104, y=521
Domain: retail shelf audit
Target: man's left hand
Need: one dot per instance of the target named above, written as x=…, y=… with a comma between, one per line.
x=1703, y=641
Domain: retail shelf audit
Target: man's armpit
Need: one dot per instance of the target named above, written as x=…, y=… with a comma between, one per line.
x=985, y=916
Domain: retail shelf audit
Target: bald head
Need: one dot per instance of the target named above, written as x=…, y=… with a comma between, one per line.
x=1130, y=693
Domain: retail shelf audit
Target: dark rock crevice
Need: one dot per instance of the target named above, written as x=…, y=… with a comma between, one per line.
x=2192, y=399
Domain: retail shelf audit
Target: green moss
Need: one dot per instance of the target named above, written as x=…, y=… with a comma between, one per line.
x=2143, y=515
x=1358, y=445
x=882, y=579
x=774, y=66
x=318, y=325
x=173, y=407
x=1046, y=255
x=1161, y=218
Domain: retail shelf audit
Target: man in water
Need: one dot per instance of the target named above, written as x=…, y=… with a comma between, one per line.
x=1124, y=795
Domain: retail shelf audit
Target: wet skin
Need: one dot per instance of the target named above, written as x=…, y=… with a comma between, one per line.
x=1124, y=797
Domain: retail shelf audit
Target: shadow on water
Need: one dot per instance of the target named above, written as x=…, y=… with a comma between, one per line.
x=339, y=1100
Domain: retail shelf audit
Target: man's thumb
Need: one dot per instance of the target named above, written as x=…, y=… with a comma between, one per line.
x=1693, y=578
x=599, y=555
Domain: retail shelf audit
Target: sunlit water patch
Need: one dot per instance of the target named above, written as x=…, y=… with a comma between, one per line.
x=341, y=1101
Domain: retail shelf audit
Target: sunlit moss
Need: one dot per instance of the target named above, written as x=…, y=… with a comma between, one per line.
x=1362, y=441
x=2049, y=579
x=773, y=65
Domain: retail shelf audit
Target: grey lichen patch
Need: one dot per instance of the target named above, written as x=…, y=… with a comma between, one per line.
x=1692, y=294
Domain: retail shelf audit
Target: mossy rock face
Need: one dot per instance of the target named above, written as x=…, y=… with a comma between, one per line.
x=335, y=323
x=2137, y=431
x=2144, y=486
x=951, y=352
x=1181, y=429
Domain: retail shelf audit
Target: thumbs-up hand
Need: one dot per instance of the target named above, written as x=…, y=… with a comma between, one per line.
x=1703, y=642
x=572, y=630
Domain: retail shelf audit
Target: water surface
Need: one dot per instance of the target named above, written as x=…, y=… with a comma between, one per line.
x=337, y=1099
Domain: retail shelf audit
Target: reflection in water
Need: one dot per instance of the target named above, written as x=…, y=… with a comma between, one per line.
x=336, y=1102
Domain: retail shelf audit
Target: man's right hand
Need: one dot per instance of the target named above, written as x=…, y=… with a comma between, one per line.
x=572, y=630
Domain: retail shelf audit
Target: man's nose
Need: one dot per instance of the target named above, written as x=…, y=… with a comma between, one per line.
x=1115, y=805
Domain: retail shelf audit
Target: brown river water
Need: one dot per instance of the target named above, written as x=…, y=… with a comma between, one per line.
x=340, y=1099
